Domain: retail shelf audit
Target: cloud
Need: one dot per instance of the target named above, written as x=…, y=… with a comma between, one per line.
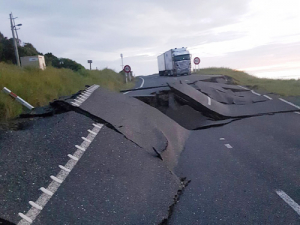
x=142, y=29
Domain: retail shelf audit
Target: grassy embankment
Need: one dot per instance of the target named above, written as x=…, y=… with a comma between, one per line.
x=278, y=86
x=40, y=87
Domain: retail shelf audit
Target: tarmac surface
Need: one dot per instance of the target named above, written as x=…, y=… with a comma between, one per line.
x=174, y=150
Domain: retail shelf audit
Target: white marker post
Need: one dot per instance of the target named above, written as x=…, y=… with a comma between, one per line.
x=19, y=99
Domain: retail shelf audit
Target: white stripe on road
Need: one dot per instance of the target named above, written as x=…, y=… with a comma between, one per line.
x=268, y=97
x=289, y=103
x=228, y=145
x=255, y=93
x=143, y=81
x=297, y=113
x=222, y=139
x=243, y=87
x=40, y=203
x=209, y=100
x=289, y=201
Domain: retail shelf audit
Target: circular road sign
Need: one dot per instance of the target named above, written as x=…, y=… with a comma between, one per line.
x=127, y=69
x=196, y=60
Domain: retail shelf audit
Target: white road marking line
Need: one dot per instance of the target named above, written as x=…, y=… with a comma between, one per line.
x=46, y=191
x=73, y=157
x=243, y=87
x=289, y=103
x=79, y=147
x=56, y=179
x=209, y=100
x=186, y=80
x=268, y=97
x=35, y=205
x=85, y=139
x=289, y=201
x=255, y=93
x=75, y=104
x=297, y=113
x=38, y=205
x=228, y=145
x=98, y=125
x=222, y=139
x=25, y=218
x=92, y=132
x=143, y=81
x=64, y=168
x=76, y=100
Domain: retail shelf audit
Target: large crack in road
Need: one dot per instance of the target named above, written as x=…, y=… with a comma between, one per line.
x=156, y=122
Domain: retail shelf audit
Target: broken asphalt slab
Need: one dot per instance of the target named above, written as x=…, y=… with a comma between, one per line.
x=205, y=104
x=144, y=125
x=115, y=182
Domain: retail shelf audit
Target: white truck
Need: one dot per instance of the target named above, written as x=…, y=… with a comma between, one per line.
x=174, y=62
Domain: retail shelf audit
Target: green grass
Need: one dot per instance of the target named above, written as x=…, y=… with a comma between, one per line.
x=40, y=87
x=282, y=87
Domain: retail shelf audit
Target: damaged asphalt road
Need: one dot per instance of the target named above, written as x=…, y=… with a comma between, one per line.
x=175, y=150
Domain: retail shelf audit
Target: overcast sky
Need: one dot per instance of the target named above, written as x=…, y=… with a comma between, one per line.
x=261, y=37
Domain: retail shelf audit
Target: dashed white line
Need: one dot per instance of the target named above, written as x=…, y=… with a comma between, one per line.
x=73, y=157
x=25, y=218
x=56, y=179
x=79, y=147
x=297, y=113
x=228, y=146
x=268, y=97
x=289, y=103
x=48, y=192
x=243, y=87
x=289, y=201
x=64, y=168
x=208, y=100
x=222, y=139
x=35, y=205
x=84, y=95
x=85, y=139
x=255, y=93
x=92, y=132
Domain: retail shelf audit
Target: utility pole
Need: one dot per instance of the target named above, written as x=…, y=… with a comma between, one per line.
x=16, y=30
x=14, y=39
x=122, y=61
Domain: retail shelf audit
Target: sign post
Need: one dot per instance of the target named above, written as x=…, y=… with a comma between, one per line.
x=90, y=62
x=196, y=62
x=127, y=70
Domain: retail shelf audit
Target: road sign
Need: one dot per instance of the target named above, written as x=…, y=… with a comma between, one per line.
x=127, y=69
x=196, y=60
x=90, y=61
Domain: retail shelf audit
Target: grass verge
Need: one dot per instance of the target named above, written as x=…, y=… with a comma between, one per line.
x=282, y=87
x=39, y=87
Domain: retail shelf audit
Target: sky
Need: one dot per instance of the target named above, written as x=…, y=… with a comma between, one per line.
x=261, y=37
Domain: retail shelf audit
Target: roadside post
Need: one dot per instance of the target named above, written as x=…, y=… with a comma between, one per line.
x=127, y=70
x=90, y=62
x=196, y=62
x=17, y=98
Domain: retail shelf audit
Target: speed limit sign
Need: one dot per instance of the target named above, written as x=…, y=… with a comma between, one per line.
x=196, y=60
x=127, y=69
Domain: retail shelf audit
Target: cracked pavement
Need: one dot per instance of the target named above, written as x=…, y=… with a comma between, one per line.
x=234, y=147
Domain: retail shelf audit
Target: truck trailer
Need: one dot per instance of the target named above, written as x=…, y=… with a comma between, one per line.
x=175, y=62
